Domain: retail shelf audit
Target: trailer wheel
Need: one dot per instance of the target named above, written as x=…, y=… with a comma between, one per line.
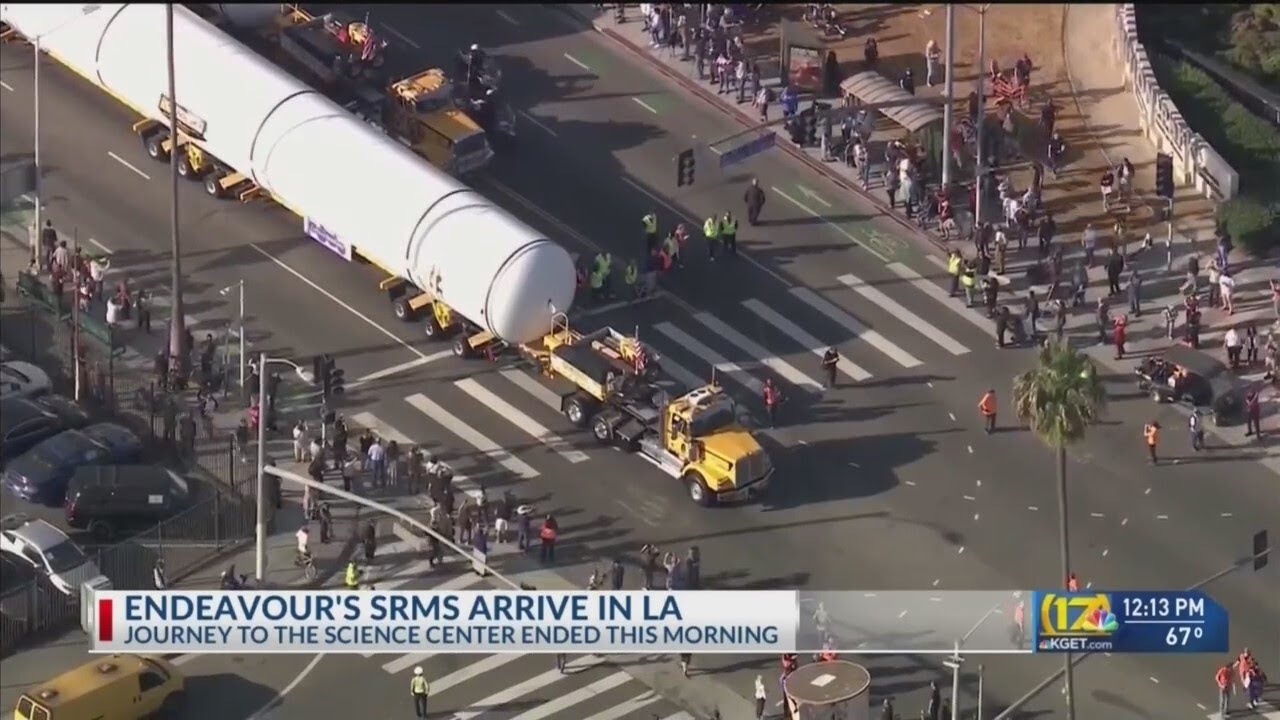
x=185, y=169
x=433, y=331
x=404, y=311
x=697, y=489
x=602, y=430
x=213, y=184
x=461, y=348
x=577, y=412
x=154, y=145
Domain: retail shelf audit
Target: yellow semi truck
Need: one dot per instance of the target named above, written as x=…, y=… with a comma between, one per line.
x=622, y=395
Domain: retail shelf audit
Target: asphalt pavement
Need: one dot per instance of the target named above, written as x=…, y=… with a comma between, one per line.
x=886, y=484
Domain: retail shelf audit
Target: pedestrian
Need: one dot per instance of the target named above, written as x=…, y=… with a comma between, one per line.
x=548, y=535
x=935, y=701
x=830, y=361
x=1253, y=416
x=377, y=462
x=326, y=523
x=1196, y=430
x=685, y=660
x=1226, y=290
x=761, y=697
x=650, y=223
x=933, y=62
x=617, y=574
x=771, y=400
x=1045, y=232
x=987, y=406
x=711, y=231
x=908, y=82
x=1223, y=680
x=1250, y=344
x=365, y=443
x=158, y=579
x=300, y=441
x=1135, y=292
x=955, y=263
x=142, y=308
x=1089, y=241
x=419, y=689
x=524, y=530
x=1170, y=319
x=1118, y=336
x=1115, y=266
x=1151, y=434
x=729, y=233
x=369, y=539
x=648, y=564
x=764, y=96
x=886, y=710
x=1234, y=345
x=1103, y=318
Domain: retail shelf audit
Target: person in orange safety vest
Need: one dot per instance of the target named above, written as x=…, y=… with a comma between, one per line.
x=1151, y=433
x=548, y=534
x=1223, y=680
x=987, y=406
x=771, y=400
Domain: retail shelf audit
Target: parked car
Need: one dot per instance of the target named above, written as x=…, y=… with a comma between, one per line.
x=22, y=379
x=24, y=422
x=48, y=551
x=108, y=499
x=14, y=574
x=41, y=474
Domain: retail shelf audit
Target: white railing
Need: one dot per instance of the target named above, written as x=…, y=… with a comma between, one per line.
x=1194, y=160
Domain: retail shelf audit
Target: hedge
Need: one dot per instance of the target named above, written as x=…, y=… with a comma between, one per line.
x=1249, y=143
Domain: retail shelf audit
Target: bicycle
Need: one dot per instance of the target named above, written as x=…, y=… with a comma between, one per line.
x=308, y=565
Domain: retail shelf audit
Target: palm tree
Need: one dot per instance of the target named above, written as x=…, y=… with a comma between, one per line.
x=1059, y=399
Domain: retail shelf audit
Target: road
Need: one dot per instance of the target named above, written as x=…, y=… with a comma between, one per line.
x=891, y=475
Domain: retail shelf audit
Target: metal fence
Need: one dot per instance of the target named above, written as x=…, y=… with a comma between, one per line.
x=184, y=542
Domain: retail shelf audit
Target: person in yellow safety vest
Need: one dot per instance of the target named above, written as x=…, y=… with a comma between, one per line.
x=597, y=283
x=671, y=246
x=650, y=231
x=419, y=689
x=729, y=233
x=352, y=578
x=629, y=276
x=968, y=278
x=604, y=265
x=954, y=265
x=711, y=229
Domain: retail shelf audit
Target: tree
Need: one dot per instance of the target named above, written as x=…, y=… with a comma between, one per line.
x=1059, y=399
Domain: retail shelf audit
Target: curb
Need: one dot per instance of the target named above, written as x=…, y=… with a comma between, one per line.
x=742, y=119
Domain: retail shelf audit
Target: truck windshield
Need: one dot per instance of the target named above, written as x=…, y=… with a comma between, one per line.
x=714, y=418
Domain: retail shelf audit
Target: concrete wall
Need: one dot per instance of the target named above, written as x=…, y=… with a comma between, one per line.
x=1195, y=162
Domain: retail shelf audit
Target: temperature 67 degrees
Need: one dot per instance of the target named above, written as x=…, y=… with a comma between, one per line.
x=1180, y=635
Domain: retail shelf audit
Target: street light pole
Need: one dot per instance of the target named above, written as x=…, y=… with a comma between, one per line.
x=35, y=237
x=980, y=168
x=260, y=531
x=949, y=110
x=177, y=323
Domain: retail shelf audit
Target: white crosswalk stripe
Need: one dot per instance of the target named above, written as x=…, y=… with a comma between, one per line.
x=379, y=428
x=533, y=684
x=795, y=332
x=411, y=573
x=680, y=373
x=715, y=359
x=472, y=436
x=682, y=715
x=850, y=323
x=462, y=481
x=624, y=709
x=530, y=384
x=758, y=352
x=481, y=667
x=1264, y=711
x=933, y=290
x=580, y=695
x=910, y=319
x=487, y=398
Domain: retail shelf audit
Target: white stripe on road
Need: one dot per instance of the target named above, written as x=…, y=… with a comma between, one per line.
x=129, y=165
x=403, y=38
x=506, y=16
x=624, y=709
x=860, y=243
x=682, y=715
x=539, y=123
x=472, y=436
x=530, y=384
x=100, y=246
x=894, y=308
x=517, y=691
x=381, y=429
x=850, y=323
x=8, y=87
x=577, y=62
x=453, y=584
x=577, y=696
x=1265, y=711
x=717, y=361
x=795, y=332
x=521, y=420
x=645, y=105
x=935, y=291
x=484, y=666
x=396, y=369
x=761, y=354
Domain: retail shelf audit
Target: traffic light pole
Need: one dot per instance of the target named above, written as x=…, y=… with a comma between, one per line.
x=260, y=528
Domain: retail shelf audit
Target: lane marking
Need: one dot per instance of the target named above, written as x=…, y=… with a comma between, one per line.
x=896, y=309
x=129, y=165
x=970, y=448
x=265, y=710
x=519, y=690
x=340, y=302
x=1225, y=515
x=577, y=62
x=680, y=214
x=531, y=385
x=1033, y=508
x=1162, y=517
x=527, y=116
x=474, y=670
x=100, y=246
x=1096, y=515
x=505, y=16
x=682, y=715
x=936, y=292
x=472, y=436
x=837, y=228
x=577, y=696
x=621, y=710
x=402, y=367
x=645, y=105
x=757, y=351
x=453, y=584
x=970, y=498
x=715, y=359
x=403, y=38
x=795, y=332
x=850, y=323
x=902, y=614
x=812, y=195
x=370, y=421
x=513, y=414
x=6, y=86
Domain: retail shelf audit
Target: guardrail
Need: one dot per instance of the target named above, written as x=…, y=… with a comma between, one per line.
x=1195, y=161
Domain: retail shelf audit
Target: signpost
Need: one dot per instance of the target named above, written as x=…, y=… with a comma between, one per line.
x=745, y=150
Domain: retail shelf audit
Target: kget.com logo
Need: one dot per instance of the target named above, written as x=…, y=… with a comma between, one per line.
x=1077, y=622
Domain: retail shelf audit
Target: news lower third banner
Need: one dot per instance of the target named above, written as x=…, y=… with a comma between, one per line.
x=703, y=622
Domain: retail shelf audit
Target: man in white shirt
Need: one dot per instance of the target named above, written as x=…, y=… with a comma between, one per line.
x=113, y=312
x=303, y=537
x=1233, y=344
x=377, y=461
x=1226, y=286
x=97, y=274
x=1090, y=241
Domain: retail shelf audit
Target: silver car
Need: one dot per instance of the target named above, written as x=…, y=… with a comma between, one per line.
x=48, y=551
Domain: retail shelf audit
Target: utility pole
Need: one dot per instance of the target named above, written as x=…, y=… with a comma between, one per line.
x=980, y=168
x=177, y=323
x=260, y=530
x=954, y=662
x=979, y=691
x=949, y=111
x=75, y=313
x=35, y=237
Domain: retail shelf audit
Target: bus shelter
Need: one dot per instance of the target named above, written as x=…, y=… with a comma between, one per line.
x=921, y=119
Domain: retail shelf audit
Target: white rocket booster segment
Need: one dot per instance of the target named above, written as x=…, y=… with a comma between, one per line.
x=361, y=188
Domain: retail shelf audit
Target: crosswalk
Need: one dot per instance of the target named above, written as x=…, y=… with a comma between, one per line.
x=1264, y=711
x=509, y=421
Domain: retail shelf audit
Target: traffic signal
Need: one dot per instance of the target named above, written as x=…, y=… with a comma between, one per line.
x=317, y=368
x=685, y=166
x=1259, y=547
x=1164, y=175
x=332, y=380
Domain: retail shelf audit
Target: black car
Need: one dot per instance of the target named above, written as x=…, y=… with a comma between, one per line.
x=110, y=499
x=24, y=422
x=42, y=473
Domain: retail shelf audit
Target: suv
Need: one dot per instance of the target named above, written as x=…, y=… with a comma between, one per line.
x=108, y=499
x=48, y=551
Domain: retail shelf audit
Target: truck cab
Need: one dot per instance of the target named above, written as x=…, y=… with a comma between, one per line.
x=421, y=110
